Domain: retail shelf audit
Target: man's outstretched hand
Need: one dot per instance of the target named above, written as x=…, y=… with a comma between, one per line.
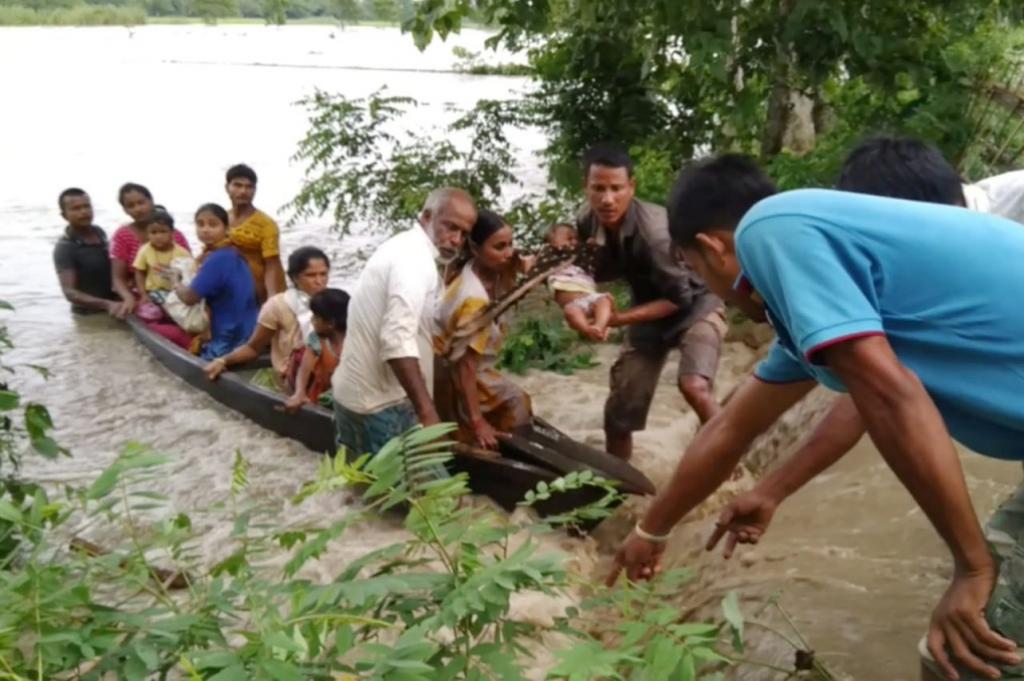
x=744, y=520
x=958, y=629
x=641, y=559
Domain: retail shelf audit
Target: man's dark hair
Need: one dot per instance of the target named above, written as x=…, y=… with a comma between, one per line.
x=68, y=193
x=331, y=305
x=901, y=168
x=714, y=193
x=240, y=171
x=607, y=155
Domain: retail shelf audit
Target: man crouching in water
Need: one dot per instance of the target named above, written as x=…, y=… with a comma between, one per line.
x=380, y=386
x=923, y=352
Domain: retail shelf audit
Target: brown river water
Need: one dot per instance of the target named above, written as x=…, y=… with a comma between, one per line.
x=172, y=107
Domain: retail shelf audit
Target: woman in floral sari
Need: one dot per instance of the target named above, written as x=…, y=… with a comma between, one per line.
x=468, y=389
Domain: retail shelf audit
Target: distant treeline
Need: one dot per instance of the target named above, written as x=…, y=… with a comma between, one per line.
x=117, y=12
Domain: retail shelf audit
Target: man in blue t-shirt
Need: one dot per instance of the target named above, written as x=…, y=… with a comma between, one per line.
x=902, y=305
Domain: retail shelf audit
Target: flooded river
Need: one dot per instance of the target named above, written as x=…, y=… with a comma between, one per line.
x=172, y=107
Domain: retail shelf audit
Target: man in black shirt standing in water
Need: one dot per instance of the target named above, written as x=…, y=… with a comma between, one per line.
x=83, y=263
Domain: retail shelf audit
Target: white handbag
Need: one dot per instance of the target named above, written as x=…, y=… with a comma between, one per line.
x=191, y=318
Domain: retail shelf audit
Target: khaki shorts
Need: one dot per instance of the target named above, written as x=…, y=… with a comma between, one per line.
x=1005, y=612
x=635, y=374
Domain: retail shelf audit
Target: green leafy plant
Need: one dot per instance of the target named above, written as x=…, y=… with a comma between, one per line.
x=648, y=638
x=23, y=427
x=541, y=342
x=470, y=62
x=677, y=78
x=370, y=177
x=433, y=606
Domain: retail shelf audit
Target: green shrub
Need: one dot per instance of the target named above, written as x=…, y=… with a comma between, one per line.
x=544, y=343
x=18, y=16
x=78, y=15
x=434, y=606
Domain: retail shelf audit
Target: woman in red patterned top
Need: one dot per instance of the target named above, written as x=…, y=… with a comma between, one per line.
x=137, y=201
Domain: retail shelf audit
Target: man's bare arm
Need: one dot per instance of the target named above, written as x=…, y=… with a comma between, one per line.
x=747, y=517
x=69, y=287
x=718, y=447
x=912, y=437
x=908, y=430
x=835, y=435
x=407, y=370
x=707, y=463
x=273, y=274
x=645, y=312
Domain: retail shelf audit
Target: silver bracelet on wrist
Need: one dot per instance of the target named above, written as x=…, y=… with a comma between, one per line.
x=653, y=538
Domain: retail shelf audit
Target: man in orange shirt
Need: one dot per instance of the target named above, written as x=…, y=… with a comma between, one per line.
x=254, y=233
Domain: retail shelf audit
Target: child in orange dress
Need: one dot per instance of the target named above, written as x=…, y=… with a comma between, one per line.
x=323, y=349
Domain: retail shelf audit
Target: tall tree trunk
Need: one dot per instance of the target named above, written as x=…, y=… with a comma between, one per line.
x=778, y=98
x=823, y=115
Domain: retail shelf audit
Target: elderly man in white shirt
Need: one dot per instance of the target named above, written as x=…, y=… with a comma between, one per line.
x=1001, y=195
x=382, y=384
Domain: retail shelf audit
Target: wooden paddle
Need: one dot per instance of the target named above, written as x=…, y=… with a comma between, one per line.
x=549, y=262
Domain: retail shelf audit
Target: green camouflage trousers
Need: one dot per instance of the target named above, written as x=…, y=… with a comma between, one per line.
x=1005, y=612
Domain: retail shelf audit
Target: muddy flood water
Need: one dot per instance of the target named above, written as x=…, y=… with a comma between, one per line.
x=171, y=107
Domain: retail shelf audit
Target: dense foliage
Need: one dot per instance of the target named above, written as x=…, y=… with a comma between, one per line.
x=794, y=82
x=776, y=78
x=24, y=426
x=434, y=606
x=131, y=12
x=545, y=343
x=369, y=169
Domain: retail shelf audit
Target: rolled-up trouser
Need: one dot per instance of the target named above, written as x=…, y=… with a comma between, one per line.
x=1005, y=611
x=635, y=374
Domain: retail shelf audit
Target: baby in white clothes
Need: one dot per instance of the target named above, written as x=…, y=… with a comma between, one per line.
x=586, y=310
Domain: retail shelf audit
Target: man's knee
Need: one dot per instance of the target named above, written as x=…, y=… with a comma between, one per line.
x=695, y=388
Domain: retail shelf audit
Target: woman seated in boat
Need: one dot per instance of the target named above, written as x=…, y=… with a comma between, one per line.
x=285, y=322
x=468, y=389
x=224, y=282
x=129, y=238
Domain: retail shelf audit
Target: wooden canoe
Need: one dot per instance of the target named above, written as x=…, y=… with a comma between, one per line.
x=533, y=454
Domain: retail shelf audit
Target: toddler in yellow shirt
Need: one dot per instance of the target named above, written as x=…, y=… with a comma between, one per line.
x=161, y=263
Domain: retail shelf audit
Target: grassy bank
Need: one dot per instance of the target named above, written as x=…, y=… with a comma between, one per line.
x=114, y=15
x=81, y=15
x=304, y=21
x=110, y=15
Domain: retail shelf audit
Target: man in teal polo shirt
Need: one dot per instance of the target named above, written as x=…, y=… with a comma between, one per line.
x=904, y=306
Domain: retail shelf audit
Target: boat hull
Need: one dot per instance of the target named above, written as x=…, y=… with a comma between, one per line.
x=506, y=478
